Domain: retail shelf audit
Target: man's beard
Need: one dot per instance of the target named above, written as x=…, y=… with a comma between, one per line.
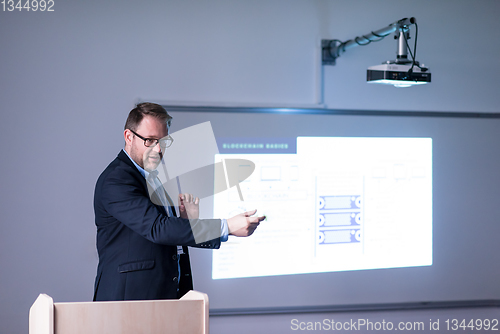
x=151, y=161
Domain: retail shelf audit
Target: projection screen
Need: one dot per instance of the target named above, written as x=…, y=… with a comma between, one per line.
x=363, y=208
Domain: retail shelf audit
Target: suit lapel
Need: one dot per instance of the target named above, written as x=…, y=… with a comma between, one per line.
x=154, y=197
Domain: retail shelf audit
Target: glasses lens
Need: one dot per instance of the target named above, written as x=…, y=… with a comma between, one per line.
x=150, y=142
x=165, y=143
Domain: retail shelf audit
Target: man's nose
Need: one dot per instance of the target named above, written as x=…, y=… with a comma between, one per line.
x=157, y=147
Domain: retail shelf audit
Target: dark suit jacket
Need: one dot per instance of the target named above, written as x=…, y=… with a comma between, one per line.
x=137, y=242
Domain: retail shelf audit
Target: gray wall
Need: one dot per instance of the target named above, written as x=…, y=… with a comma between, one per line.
x=68, y=79
x=420, y=321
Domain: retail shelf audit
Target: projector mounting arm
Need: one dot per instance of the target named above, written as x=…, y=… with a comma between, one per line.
x=332, y=48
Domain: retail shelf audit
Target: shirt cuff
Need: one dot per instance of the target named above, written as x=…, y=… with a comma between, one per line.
x=224, y=230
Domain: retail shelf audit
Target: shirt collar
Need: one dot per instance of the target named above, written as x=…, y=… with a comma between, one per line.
x=141, y=170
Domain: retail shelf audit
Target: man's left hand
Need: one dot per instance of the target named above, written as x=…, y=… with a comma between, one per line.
x=189, y=206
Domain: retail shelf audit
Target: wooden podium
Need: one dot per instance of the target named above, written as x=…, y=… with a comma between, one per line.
x=186, y=315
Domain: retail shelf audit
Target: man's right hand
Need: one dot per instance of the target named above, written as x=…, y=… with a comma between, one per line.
x=243, y=225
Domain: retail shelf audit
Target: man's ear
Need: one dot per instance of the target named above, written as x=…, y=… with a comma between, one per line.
x=128, y=135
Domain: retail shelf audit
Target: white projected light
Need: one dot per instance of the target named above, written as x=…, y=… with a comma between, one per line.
x=335, y=204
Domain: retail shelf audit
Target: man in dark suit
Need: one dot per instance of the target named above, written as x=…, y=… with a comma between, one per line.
x=142, y=245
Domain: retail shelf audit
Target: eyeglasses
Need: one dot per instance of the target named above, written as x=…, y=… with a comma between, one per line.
x=165, y=142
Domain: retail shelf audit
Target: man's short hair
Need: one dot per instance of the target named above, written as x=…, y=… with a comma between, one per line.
x=146, y=108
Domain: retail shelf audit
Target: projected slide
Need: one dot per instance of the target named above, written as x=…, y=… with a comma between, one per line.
x=332, y=204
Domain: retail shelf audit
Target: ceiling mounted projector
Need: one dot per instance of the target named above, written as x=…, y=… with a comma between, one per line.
x=398, y=75
x=402, y=72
